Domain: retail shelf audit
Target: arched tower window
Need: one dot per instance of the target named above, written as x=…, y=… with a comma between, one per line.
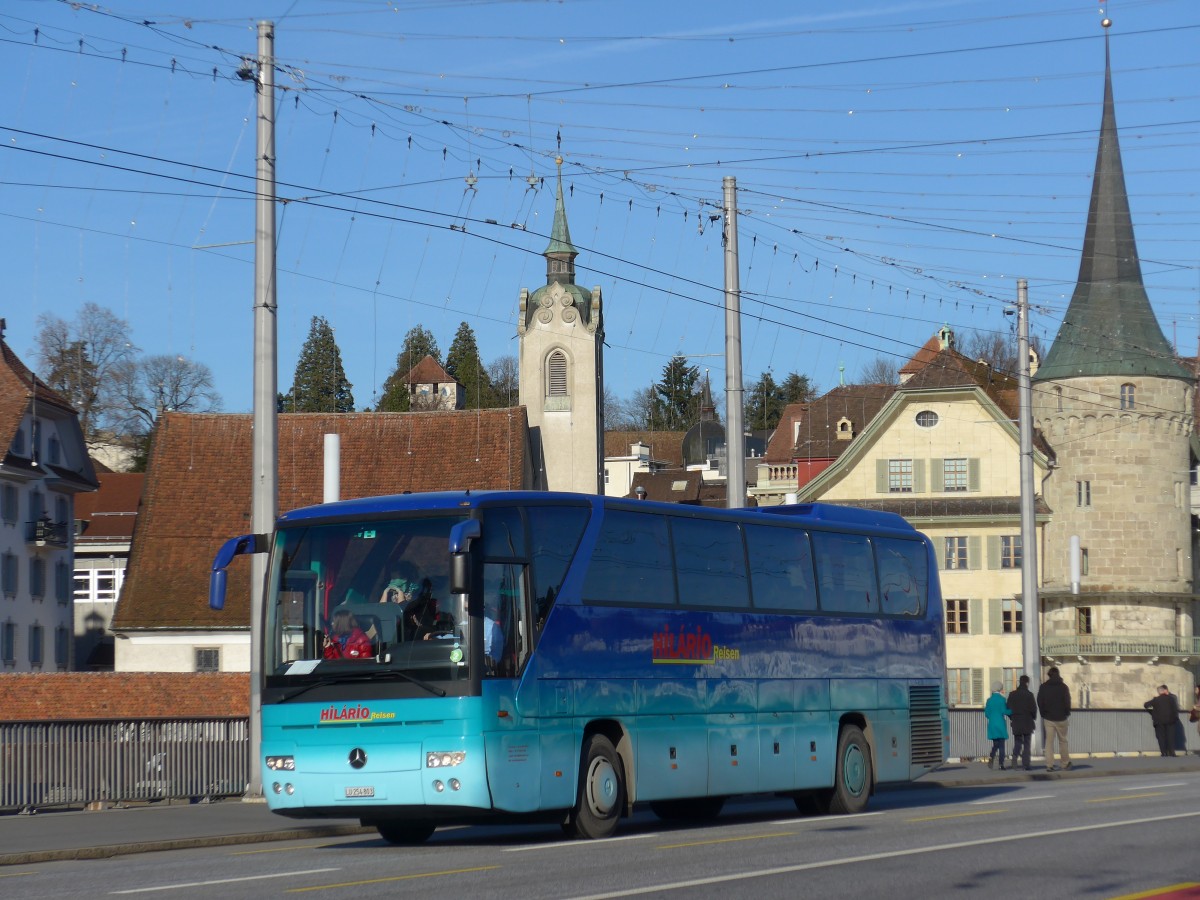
x=1058, y=396
x=556, y=371
x=1127, y=396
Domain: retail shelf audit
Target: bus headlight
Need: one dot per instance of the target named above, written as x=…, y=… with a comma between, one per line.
x=281, y=763
x=438, y=759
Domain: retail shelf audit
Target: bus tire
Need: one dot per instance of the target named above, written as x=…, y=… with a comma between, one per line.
x=601, y=795
x=852, y=776
x=405, y=833
x=694, y=809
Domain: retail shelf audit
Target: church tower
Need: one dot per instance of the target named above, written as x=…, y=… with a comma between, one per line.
x=1115, y=403
x=561, y=373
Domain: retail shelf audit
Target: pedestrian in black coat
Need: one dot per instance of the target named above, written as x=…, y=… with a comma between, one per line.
x=1164, y=713
x=1023, y=712
x=1054, y=703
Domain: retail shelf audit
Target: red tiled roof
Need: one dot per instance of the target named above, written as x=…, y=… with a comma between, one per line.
x=427, y=371
x=110, y=512
x=18, y=385
x=817, y=437
x=65, y=696
x=922, y=357
x=198, y=482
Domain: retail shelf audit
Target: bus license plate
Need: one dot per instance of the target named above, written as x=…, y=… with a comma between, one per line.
x=360, y=792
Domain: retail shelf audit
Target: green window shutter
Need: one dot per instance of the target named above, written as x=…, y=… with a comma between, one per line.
x=995, y=616
x=974, y=551
x=977, y=687
x=975, y=616
x=939, y=551
x=881, y=476
x=993, y=561
x=918, y=476
x=994, y=675
x=973, y=474
x=937, y=475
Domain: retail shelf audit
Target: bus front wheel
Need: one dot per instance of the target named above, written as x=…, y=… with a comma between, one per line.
x=852, y=778
x=405, y=833
x=601, y=791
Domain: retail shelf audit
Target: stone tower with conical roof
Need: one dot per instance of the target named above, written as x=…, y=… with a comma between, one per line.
x=1115, y=404
x=561, y=368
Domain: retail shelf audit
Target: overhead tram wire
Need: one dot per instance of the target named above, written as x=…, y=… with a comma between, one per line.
x=484, y=237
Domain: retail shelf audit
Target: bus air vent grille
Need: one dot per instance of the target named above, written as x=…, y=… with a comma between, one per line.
x=925, y=725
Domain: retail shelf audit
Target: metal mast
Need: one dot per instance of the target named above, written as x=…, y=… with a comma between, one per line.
x=735, y=438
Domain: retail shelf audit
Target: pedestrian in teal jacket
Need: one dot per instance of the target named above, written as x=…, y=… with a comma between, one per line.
x=996, y=711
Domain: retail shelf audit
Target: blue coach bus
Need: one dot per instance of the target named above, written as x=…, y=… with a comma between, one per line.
x=460, y=657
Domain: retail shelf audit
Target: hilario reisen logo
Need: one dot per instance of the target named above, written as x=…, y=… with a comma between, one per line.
x=689, y=647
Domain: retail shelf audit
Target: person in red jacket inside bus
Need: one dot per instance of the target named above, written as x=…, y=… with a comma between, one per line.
x=345, y=639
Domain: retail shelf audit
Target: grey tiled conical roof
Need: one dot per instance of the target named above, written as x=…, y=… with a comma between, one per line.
x=1110, y=328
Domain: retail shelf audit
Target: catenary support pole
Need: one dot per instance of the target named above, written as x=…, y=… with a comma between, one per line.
x=265, y=495
x=735, y=438
x=1031, y=618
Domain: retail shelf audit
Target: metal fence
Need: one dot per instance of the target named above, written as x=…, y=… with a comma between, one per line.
x=48, y=764
x=45, y=764
x=1092, y=731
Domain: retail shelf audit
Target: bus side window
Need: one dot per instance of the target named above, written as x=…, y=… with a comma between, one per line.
x=781, y=568
x=554, y=532
x=903, y=576
x=710, y=563
x=632, y=561
x=846, y=568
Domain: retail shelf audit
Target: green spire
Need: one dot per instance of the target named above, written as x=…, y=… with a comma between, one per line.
x=560, y=235
x=1109, y=327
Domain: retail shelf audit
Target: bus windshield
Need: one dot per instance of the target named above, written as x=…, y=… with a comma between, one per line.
x=355, y=600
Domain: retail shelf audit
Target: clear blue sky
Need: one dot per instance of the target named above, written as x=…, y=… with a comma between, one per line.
x=899, y=165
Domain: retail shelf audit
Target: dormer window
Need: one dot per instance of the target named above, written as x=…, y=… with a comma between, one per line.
x=18, y=443
x=845, y=429
x=53, y=450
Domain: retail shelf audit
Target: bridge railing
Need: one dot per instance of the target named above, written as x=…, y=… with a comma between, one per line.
x=1091, y=731
x=48, y=764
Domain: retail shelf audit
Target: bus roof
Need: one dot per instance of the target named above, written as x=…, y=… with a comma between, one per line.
x=447, y=501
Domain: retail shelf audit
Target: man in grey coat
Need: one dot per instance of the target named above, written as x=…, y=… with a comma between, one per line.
x=1023, y=710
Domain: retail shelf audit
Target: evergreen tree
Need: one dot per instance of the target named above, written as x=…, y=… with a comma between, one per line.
x=764, y=403
x=677, y=396
x=797, y=388
x=418, y=344
x=320, y=383
x=463, y=362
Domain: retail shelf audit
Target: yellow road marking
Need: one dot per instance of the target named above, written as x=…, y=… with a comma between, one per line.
x=987, y=812
x=344, y=884
x=753, y=837
x=15, y=874
x=1126, y=797
x=1159, y=892
x=282, y=849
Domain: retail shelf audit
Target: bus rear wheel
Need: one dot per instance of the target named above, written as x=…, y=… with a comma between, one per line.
x=852, y=778
x=601, y=794
x=694, y=809
x=404, y=833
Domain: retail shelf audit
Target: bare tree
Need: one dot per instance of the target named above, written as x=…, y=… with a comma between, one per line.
x=997, y=349
x=78, y=359
x=159, y=383
x=503, y=373
x=881, y=370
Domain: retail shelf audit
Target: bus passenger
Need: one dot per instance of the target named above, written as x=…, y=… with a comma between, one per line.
x=403, y=583
x=345, y=640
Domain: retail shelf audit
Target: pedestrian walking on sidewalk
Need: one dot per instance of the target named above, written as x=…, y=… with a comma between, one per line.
x=1023, y=712
x=1054, y=703
x=1164, y=713
x=996, y=711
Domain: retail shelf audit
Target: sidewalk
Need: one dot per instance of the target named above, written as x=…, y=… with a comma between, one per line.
x=76, y=834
